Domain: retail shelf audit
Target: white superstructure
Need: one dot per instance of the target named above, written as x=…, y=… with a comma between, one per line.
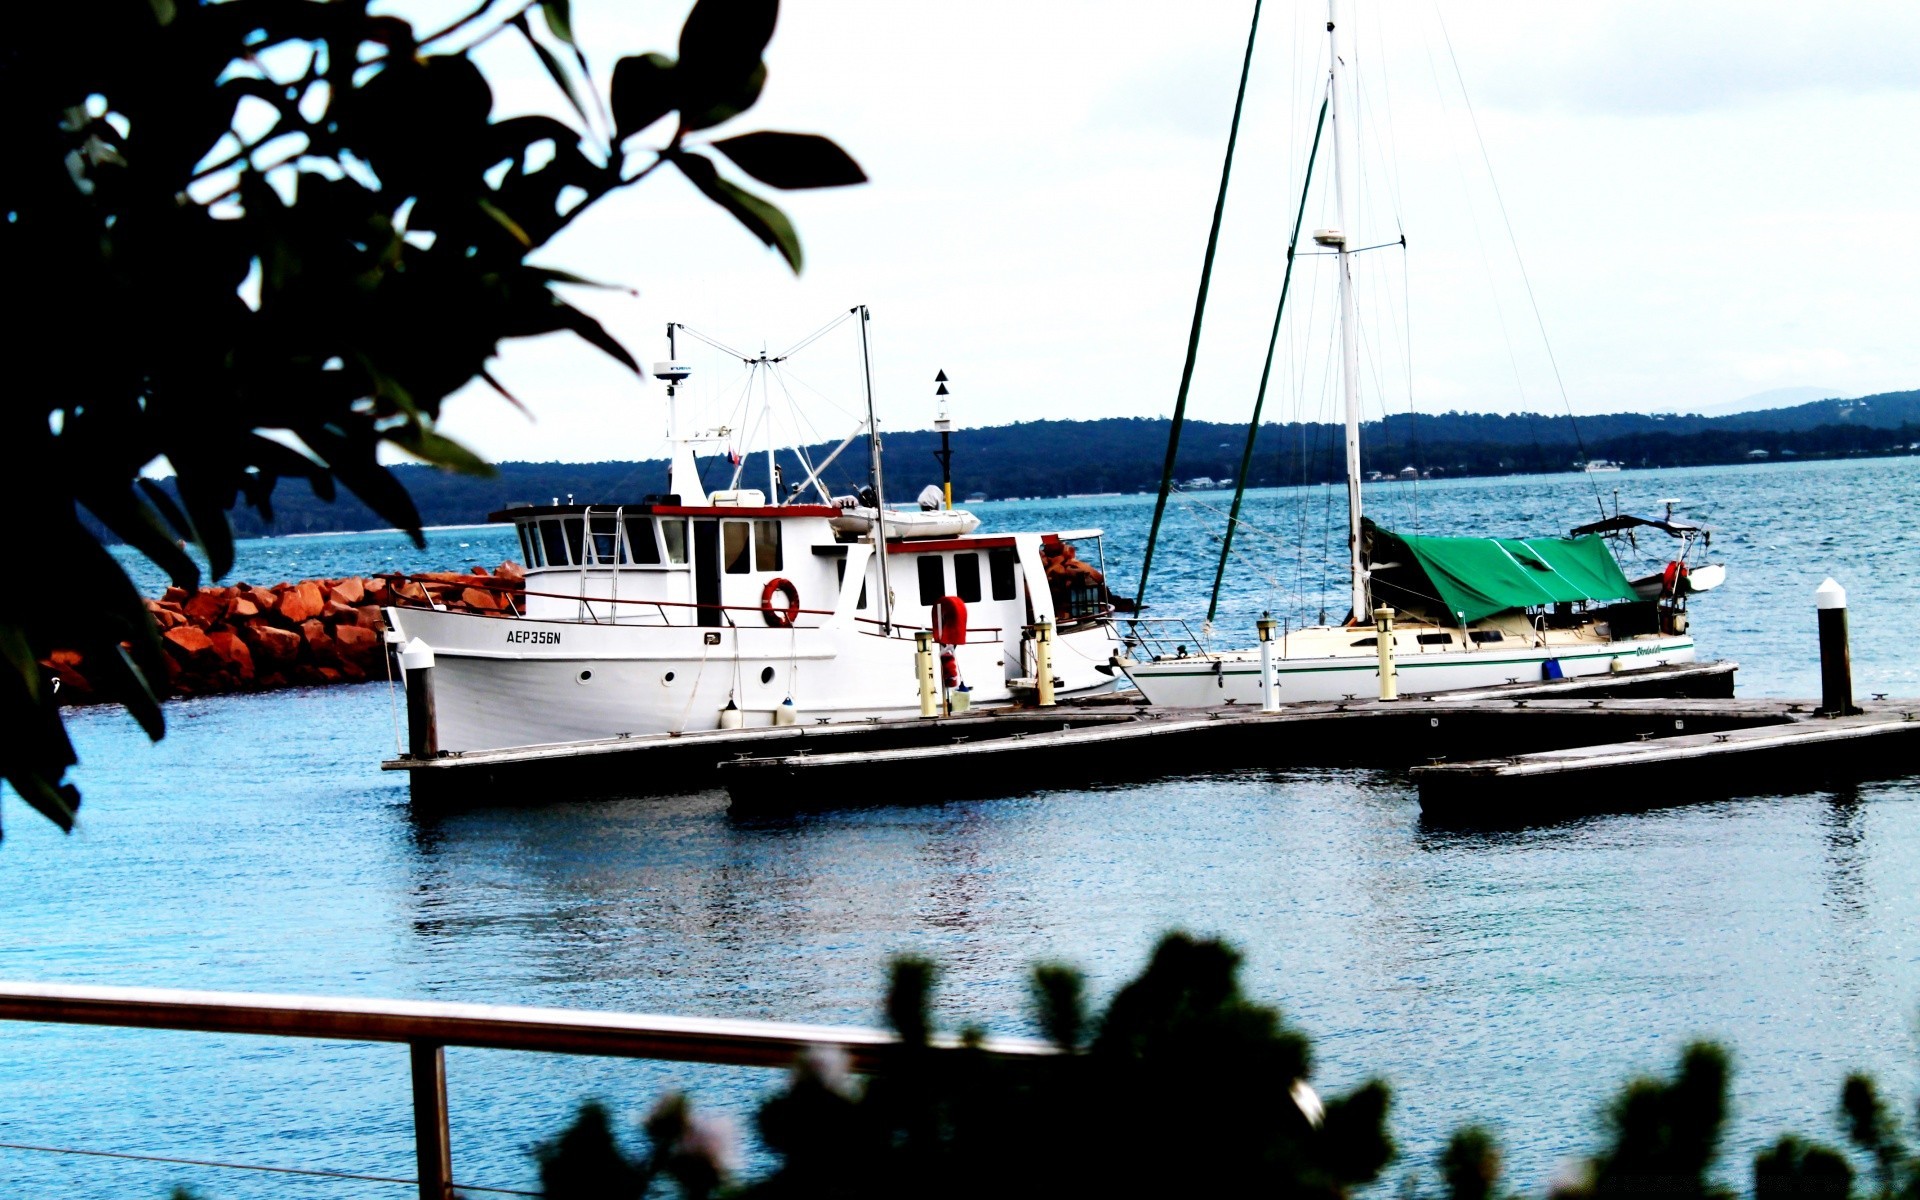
x=691, y=610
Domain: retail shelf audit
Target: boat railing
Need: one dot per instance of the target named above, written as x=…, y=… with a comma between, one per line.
x=660, y=606
x=1164, y=637
x=905, y=630
x=428, y=1027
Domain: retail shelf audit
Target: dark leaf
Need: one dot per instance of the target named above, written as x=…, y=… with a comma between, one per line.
x=643, y=92
x=506, y=222
x=720, y=69
x=550, y=62
x=553, y=275
x=353, y=463
x=207, y=504
x=559, y=18
x=157, y=495
x=441, y=451
x=51, y=799
x=727, y=32
x=593, y=332
x=792, y=160
x=512, y=399
x=768, y=223
x=706, y=101
x=138, y=525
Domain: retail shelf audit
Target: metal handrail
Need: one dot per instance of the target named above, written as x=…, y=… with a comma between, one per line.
x=428, y=1026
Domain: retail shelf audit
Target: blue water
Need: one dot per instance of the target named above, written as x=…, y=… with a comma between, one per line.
x=1510, y=978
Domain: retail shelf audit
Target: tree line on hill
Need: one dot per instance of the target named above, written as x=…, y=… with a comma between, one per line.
x=1126, y=454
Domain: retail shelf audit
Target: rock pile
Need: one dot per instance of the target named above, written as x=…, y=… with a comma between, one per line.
x=318, y=631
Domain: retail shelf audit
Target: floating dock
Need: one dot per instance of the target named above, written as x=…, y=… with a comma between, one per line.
x=1804, y=749
x=1174, y=742
x=665, y=763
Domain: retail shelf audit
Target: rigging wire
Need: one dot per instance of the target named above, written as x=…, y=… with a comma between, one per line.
x=716, y=344
x=1519, y=261
x=1260, y=398
x=1199, y=312
x=816, y=335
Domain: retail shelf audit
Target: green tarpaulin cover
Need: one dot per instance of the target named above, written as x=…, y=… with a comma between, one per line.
x=1482, y=576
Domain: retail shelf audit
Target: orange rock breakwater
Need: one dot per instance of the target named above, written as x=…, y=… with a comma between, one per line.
x=244, y=638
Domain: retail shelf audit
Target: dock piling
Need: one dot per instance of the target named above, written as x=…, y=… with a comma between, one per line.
x=416, y=665
x=923, y=667
x=1043, y=663
x=1836, y=661
x=1383, y=638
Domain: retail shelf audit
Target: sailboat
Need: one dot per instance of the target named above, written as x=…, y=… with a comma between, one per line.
x=1461, y=612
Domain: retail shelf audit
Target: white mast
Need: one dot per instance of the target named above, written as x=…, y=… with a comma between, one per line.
x=1349, y=346
x=879, y=482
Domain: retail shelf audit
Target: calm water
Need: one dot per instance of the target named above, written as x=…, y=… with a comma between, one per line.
x=1513, y=979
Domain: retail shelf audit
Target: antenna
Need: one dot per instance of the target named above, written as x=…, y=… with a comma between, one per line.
x=944, y=424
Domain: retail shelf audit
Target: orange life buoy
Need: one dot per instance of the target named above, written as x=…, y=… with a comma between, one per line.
x=950, y=621
x=780, y=618
x=1673, y=580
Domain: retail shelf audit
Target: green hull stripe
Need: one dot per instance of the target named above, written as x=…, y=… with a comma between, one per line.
x=1404, y=665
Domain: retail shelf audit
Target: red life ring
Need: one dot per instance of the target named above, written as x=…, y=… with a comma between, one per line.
x=950, y=621
x=780, y=618
x=1674, y=579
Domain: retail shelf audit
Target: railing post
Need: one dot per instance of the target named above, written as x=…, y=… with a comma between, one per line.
x=432, y=1145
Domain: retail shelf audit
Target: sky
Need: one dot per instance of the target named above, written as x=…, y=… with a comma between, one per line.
x=1619, y=207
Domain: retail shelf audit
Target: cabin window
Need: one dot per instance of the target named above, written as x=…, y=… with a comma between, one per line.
x=1000, y=568
x=1488, y=635
x=553, y=545
x=529, y=545
x=733, y=547
x=576, y=548
x=966, y=577
x=766, y=545
x=841, y=578
x=674, y=534
x=1436, y=639
x=933, y=578
x=642, y=549
x=606, y=538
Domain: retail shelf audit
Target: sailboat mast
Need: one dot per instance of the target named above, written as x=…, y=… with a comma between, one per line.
x=879, y=485
x=1349, y=345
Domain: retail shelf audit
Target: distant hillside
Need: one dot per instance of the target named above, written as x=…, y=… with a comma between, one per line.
x=1054, y=458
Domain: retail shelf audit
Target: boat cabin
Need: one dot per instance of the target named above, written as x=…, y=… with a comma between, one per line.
x=738, y=562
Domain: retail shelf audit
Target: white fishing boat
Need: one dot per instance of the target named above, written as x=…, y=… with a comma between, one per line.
x=1597, y=466
x=1464, y=612
x=740, y=607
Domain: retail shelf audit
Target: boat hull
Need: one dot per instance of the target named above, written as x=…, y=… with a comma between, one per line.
x=1233, y=677
x=500, y=682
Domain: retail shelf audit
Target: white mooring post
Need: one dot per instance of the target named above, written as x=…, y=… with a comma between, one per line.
x=1269, y=683
x=1836, y=661
x=923, y=667
x=1383, y=639
x=416, y=666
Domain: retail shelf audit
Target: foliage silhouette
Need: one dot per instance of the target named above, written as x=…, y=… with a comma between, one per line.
x=265, y=238
x=1184, y=1087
